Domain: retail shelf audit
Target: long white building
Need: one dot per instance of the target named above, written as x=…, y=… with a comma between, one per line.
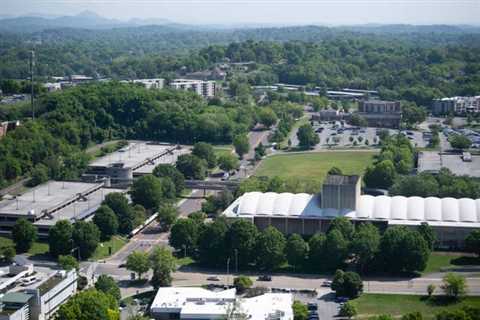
x=188, y=303
x=205, y=89
x=452, y=219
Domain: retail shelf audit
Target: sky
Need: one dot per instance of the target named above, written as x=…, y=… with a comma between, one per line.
x=300, y=12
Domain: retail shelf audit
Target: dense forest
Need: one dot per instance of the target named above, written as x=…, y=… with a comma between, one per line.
x=69, y=121
x=414, y=66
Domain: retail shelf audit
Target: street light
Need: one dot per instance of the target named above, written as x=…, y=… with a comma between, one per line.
x=236, y=260
x=228, y=268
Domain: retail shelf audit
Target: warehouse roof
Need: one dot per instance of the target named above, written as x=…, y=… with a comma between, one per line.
x=396, y=210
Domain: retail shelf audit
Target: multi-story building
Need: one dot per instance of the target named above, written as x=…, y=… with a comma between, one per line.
x=198, y=303
x=151, y=83
x=203, y=88
x=381, y=113
x=41, y=301
x=456, y=105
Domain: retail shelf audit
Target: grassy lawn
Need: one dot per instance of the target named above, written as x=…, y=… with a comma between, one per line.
x=397, y=305
x=314, y=164
x=38, y=248
x=101, y=252
x=440, y=261
x=222, y=150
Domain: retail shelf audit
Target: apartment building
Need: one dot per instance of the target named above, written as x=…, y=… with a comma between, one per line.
x=381, y=114
x=456, y=105
x=156, y=84
x=205, y=89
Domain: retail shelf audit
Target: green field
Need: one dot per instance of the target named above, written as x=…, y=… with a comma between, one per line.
x=441, y=261
x=315, y=165
x=396, y=305
x=222, y=150
x=101, y=252
x=37, y=248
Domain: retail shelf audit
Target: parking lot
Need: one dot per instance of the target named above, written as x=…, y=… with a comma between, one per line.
x=336, y=134
x=324, y=300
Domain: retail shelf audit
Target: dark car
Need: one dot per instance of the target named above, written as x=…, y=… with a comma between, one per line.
x=265, y=278
x=312, y=306
x=341, y=299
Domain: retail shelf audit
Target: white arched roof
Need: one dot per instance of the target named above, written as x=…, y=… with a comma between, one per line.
x=399, y=209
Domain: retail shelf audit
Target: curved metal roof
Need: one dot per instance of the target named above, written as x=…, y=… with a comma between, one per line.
x=397, y=209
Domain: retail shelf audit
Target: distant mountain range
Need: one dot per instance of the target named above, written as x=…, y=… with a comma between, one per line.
x=34, y=22
x=83, y=20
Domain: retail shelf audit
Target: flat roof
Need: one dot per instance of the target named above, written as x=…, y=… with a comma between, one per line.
x=433, y=161
x=334, y=179
x=133, y=155
x=447, y=212
x=16, y=297
x=78, y=210
x=169, y=158
x=48, y=196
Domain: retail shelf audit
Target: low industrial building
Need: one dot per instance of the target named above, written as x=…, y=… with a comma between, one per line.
x=42, y=300
x=459, y=164
x=135, y=159
x=157, y=83
x=452, y=219
x=188, y=303
x=50, y=202
x=382, y=114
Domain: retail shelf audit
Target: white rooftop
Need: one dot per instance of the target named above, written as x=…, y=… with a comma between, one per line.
x=396, y=210
x=199, y=303
x=133, y=155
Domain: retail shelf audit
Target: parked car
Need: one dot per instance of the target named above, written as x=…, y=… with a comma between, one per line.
x=326, y=283
x=213, y=278
x=265, y=278
x=225, y=176
x=341, y=299
x=312, y=307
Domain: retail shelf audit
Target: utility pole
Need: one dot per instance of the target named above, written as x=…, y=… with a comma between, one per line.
x=32, y=67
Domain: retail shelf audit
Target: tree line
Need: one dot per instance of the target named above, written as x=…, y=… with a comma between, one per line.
x=365, y=247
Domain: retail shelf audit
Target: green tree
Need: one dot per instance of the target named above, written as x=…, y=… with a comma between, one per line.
x=472, y=242
x=358, y=120
x=380, y=175
x=428, y=234
x=307, y=137
x=167, y=215
x=431, y=289
x=60, y=238
x=108, y=285
x=411, y=114
x=163, y=264
x=296, y=250
x=459, y=141
x=412, y=316
x=118, y=202
x=184, y=235
x=335, y=171
x=267, y=117
x=403, y=250
x=241, y=236
x=316, y=245
x=335, y=250
x=147, y=191
x=138, y=262
x=106, y=221
x=67, y=262
x=343, y=225
x=89, y=304
x=192, y=167
x=452, y=315
x=211, y=243
x=8, y=253
x=169, y=171
x=241, y=144
x=228, y=162
x=365, y=245
x=39, y=175
x=270, y=248
x=347, y=284
x=242, y=283
x=206, y=152
x=348, y=310
x=24, y=235
x=300, y=310
x=454, y=285
x=86, y=237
